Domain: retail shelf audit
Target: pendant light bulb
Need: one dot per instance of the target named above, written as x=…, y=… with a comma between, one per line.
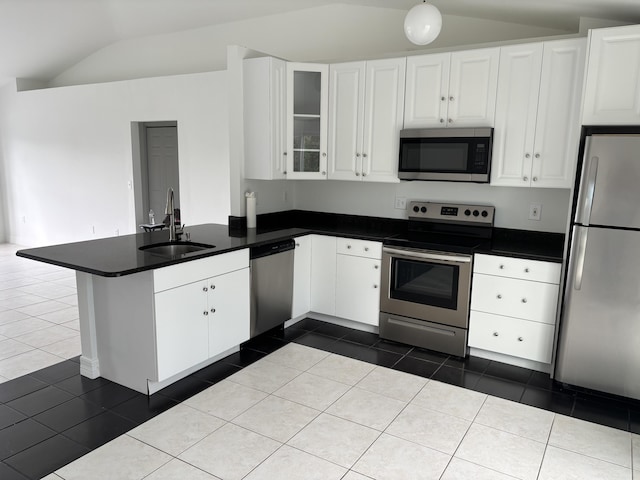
x=422, y=24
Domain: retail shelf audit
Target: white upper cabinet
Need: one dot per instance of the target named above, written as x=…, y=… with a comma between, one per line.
x=537, y=124
x=452, y=89
x=612, y=89
x=366, y=108
x=307, y=104
x=265, y=137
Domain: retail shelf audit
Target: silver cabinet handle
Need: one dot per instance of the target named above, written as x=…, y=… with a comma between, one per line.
x=537, y=155
x=524, y=300
x=442, y=120
x=450, y=120
x=357, y=155
x=495, y=334
x=285, y=172
x=213, y=287
x=526, y=270
x=375, y=286
x=213, y=310
x=443, y=98
x=205, y=313
x=205, y=289
x=520, y=339
x=535, y=179
x=364, y=155
x=324, y=173
x=348, y=247
x=297, y=244
x=364, y=174
x=366, y=249
x=357, y=174
x=324, y=154
x=451, y=98
x=499, y=297
x=501, y=267
x=527, y=155
x=376, y=267
x=526, y=179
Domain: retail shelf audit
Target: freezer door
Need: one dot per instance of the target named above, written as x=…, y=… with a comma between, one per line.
x=610, y=182
x=599, y=343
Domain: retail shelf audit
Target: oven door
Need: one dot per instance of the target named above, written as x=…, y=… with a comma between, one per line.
x=426, y=285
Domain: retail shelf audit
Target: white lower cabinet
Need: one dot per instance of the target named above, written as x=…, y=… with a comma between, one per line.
x=301, y=277
x=323, y=274
x=358, y=280
x=513, y=307
x=201, y=319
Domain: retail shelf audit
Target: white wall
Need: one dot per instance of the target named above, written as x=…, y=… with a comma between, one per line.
x=67, y=154
x=378, y=200
x=335, y=32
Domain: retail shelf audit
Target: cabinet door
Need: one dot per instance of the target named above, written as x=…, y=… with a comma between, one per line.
x=516, y=105
x=427, y=91
x=228, y=305
x=264, y=118
x=557, y=124
x=301, y=277
x=612, y=89
x=384, y=105
x=358, y=289
x=182, y=328
x=346, y=101
x=323, y=274
x=307, y=105
x=473, y=82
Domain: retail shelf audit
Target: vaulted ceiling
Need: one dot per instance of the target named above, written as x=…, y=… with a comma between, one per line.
x=41, y=38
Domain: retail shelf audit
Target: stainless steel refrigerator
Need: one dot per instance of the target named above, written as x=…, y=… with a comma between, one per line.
x=599, y=341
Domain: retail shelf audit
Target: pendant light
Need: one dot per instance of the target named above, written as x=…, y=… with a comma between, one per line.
x=422, y=24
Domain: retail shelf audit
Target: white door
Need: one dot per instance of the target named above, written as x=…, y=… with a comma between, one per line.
x=383, y=113
x=162, y=167
x=612, y=89
x=515, y=120
x=473, y=82
x=358, y=289
x=427, y=91
x=346, y=99
x=323, y=274
x=228, y=304
x=301, y=277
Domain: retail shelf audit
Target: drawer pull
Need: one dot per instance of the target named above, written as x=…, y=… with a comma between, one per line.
x=524, y=300
x=213, y=310
x=499, y=296
x=366, y=249
x=375, y=266
x=213, y=287
x=375, y=286
x=520, y=339
x=205, y=289
x=495, y=334
x=526, y=270
x=205, y=313
x=348, y=247
x=501, y=267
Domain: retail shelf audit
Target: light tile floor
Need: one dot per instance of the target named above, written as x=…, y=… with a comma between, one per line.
x=303, y=413
x=38, y=314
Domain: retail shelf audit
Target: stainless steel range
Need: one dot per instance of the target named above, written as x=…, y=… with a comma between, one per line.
x=426, y=275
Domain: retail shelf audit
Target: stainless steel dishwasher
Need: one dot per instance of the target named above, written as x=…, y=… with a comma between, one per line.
x=271, y=285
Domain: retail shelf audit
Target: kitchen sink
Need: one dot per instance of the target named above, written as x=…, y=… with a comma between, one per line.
x=175, y=249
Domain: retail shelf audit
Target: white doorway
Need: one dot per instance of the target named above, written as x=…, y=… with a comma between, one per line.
x=155, y=168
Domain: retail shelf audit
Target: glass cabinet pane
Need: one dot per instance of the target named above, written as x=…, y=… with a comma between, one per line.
x=306, y=133
x=307, y=93
x=306, y=161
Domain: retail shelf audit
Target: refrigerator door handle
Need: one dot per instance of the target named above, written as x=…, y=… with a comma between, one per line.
x=581, y=244
x=587, y=191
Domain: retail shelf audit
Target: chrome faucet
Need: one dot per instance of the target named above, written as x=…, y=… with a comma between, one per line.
x=169, y=210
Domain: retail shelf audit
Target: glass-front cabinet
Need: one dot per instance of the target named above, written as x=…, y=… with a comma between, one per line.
x=307, y=114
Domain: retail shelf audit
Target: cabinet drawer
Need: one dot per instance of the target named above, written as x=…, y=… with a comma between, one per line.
x=359, y=248
x=514, y=298
x=511, y=336
x=524, y=269
x=189, y=272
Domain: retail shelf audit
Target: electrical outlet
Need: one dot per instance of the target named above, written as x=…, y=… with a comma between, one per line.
x=401, y=203
x=535, y=210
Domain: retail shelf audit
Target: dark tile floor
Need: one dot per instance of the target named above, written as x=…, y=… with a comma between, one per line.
x=53, y=416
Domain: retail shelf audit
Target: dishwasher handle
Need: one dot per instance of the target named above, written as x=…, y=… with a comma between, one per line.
x=271, y=248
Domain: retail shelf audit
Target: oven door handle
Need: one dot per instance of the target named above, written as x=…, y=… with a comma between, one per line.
x=429, y=256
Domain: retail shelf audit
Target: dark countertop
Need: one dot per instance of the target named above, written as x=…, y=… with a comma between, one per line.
x=117, y=256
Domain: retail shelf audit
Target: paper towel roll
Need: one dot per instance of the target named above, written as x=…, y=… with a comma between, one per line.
x=251, y=209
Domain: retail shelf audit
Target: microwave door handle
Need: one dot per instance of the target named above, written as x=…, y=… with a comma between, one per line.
x=428, y=256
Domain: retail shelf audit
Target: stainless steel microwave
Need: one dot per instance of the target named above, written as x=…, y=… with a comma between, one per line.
x=446, y=154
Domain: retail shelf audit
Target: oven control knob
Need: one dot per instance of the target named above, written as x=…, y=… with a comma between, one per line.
x=416, y=208
x=476, y=213
x=423, y=209
x=485, y=214
x=467, y=212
